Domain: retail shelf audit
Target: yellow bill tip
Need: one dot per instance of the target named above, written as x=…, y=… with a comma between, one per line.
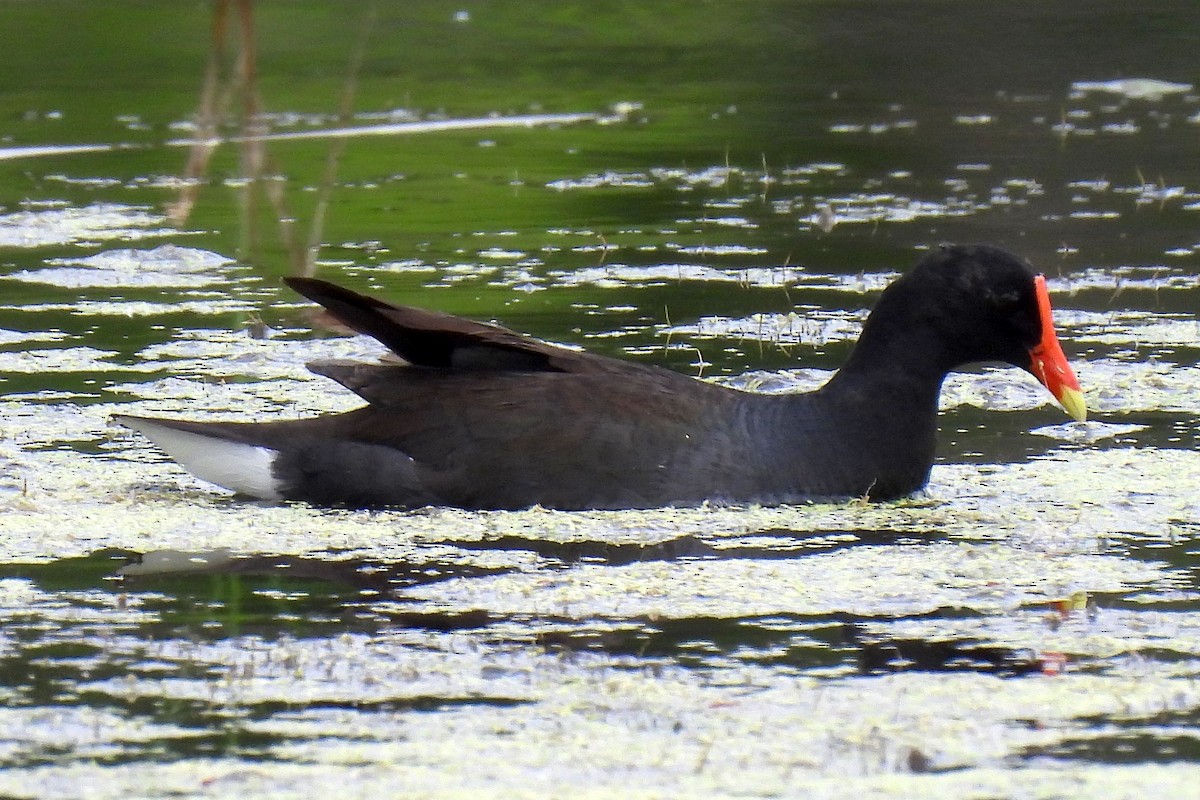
x=1072, y=401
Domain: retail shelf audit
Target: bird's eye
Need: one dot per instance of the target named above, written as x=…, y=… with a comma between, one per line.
x=1007, y=299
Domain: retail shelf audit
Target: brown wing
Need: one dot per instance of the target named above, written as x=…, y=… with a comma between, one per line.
x=443, y=341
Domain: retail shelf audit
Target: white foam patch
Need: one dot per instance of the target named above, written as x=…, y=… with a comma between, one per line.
x=242, y=468
x=167, y=266
x=38, y=226
x=1133, y=88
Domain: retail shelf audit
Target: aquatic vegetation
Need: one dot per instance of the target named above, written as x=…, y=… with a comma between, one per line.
x=729, y=192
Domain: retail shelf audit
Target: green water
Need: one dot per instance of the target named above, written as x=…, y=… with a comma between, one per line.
x=1029, y=625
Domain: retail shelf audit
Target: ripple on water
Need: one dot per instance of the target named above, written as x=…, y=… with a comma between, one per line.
x=626, y=275
x=813, y=327
x=1133, y=328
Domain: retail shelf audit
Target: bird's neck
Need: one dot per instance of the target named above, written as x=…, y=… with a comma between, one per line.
x=904, y=367
x=884, y=402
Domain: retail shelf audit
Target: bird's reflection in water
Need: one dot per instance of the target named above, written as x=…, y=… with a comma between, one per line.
x=219, y=593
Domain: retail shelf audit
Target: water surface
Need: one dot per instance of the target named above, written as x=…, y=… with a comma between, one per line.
x=720, y=189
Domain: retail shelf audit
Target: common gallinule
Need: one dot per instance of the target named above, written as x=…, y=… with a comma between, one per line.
x=485, y=418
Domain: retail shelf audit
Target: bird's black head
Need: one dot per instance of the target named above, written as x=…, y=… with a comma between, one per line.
x=963, y=304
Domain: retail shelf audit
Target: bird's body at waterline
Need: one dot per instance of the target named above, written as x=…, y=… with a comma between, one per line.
x=482, y=417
